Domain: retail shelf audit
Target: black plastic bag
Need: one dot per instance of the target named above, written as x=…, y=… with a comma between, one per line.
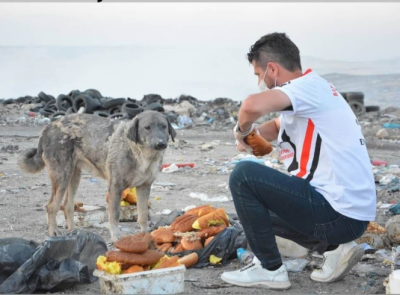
x=58, y=264
x=13, y=253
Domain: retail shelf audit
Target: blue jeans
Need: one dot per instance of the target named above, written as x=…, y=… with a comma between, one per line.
x=271, y=203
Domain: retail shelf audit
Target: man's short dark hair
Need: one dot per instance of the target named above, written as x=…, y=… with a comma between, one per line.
x=275, y=47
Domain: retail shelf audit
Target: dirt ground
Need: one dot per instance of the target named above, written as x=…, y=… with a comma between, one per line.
x=23, y=196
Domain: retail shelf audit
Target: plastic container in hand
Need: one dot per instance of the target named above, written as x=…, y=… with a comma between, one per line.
x=245, y=257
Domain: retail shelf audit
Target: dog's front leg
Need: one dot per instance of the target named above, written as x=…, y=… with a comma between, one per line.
x=143, y=194
x=114, y=199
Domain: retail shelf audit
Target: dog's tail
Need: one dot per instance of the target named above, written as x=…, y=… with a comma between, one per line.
x=31, y=160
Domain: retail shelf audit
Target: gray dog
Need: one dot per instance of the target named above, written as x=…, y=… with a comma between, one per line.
x=126, y=154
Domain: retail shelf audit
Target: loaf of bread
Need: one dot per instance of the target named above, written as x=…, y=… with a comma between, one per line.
x=189, y=260
x=137, y=243
x=216, y=217
x=183, y=223
x=163, y=235
x=166, y=262
x=260, y=146
x=207, y=241
x=133, y=269
x=195, y=211
x=146, y=258
x=206, y=210
x=191, y=244
x=211, y=231
x=129, y=195
x=178, y=248
x=164, y=247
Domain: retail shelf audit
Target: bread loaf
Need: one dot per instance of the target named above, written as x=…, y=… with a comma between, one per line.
x=183, y=223
x=195, y=211
x=146, y=258
x=166, y=262
x=138, y=243
x=208, y=240
x=164, y=247
x=216, y=217
x=189, y=260
x=260, y=146
x=133, y=269
x=163, y=235
x=191, y=244
x=211, y=231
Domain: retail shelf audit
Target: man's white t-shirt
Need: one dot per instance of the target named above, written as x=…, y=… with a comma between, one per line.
x=320, y=140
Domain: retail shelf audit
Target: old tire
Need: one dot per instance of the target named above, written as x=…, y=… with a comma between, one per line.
x=372, y=109
x=357, y=107
x=51, y=105
x=357, y=96
x=114, y=110
x=101, y=114
x=55, y=116
x=93, y=93
x=74, y=93
x=120, y=116
x=64, y=102
x=132, y=109
x=44, y=97
x=154, y=107
x=114, y=102
x=8, y=101
x=46, y=112
x=90, y=104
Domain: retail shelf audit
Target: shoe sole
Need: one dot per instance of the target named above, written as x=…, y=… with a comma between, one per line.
x=345, y=265
x=268, y=285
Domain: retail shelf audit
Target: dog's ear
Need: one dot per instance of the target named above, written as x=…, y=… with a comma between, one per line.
x=133, y=131
x=171, y=130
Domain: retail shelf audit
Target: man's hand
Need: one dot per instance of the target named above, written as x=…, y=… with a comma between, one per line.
x=242, y=149
x=241, y=135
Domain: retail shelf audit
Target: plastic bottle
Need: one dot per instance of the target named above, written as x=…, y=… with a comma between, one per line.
x=245, y=257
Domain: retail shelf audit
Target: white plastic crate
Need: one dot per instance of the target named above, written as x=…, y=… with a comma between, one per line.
x=160, y=281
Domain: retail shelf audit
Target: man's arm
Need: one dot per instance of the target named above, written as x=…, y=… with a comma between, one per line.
x=259, y=104
x=270, y=129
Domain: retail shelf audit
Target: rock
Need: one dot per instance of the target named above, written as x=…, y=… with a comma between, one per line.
x=382, y=133
x=393, y=228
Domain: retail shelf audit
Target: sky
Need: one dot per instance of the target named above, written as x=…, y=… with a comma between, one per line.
x=175, y=48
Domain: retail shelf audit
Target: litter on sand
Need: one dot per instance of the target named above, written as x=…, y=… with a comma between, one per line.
x=206, y=198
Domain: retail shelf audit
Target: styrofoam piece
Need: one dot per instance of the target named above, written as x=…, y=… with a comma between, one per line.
x=160, y=281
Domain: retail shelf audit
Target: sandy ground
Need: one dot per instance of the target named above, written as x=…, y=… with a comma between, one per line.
x=22, y=212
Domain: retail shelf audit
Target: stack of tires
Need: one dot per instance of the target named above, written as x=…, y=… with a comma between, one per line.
x=92, y=102
x=356, y=102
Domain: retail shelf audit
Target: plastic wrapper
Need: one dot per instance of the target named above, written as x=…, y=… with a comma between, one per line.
x=57, y=264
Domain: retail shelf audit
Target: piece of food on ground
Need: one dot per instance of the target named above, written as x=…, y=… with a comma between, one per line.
x=211, y=231
x=191, y=243
x=195, y=211
x=178, y=248
x=108, y=267
x=129, y=195
x=183, y=223
x=208, y=240
x=206, y=210
x=216, y=217
x=165, y=247
x=125, y=204
x=375, y=228
x=137, y=243
x=166, y=262
x=146, y=258
x=189, y=260
x=133, y=269
x=214, y=259
x=163, y=235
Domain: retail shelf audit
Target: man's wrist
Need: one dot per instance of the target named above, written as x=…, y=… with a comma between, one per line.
x=244, y=133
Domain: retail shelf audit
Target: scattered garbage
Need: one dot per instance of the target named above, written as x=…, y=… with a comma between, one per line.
x=85, y=217
x=382, y=133
x=391, y=125
x=206, y=198
x=393, y=228
x=179, y=165
x=244, y=256
x=290, y=249
x=170, y=169
x=379, y=163
x=56, y=265
x=184, y=121
x=296, y=265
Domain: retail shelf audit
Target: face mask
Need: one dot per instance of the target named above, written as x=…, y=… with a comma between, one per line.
x=262, y=85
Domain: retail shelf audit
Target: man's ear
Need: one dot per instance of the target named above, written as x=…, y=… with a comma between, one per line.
x=171, y=131
x=133, y=131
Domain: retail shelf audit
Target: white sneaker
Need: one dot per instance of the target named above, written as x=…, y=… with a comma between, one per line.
x=255, y=275
x=338, y=263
